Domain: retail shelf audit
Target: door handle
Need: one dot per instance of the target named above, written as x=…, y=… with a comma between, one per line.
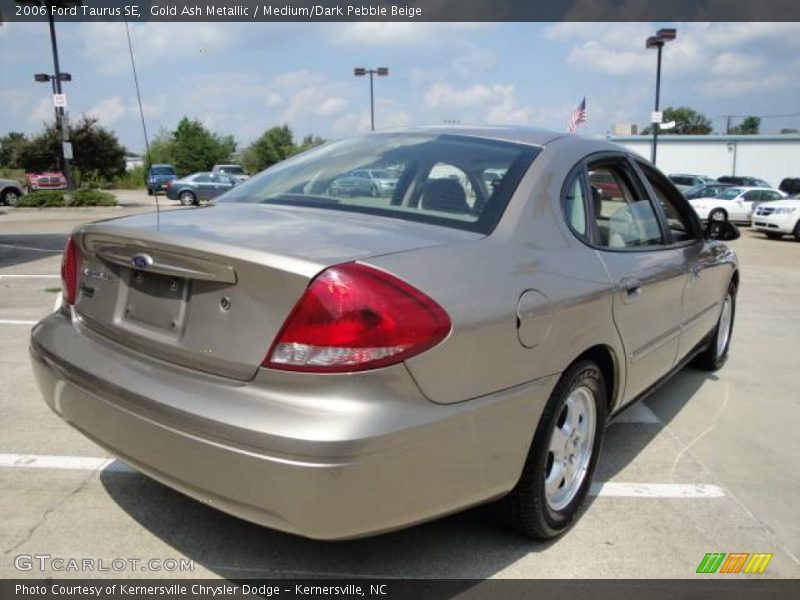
x=632, y=288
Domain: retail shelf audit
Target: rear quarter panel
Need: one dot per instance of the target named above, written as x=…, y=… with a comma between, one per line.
x=480, y=283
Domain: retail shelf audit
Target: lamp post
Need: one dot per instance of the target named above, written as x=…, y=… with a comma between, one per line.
x=657, y=41
x=58, y=76
x=380, y=72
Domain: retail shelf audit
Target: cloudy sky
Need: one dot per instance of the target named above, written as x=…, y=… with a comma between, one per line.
x=242, y=78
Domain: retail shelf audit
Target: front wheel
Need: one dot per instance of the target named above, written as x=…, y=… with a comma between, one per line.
x=562, y=459
x=796, y=232
x=187, y=198
x=713, y=357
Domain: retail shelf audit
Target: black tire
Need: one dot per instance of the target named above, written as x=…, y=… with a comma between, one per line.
x=526, y=508
x=149, y=191
x=711, y=359
x=718, y=214
x=9, y=197
x=773, y=236
x=187, y=198
x=796, y=233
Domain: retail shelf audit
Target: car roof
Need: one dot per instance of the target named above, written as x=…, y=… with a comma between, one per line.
x=533, y=136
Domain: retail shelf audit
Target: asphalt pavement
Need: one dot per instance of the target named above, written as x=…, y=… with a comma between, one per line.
x=709, y=463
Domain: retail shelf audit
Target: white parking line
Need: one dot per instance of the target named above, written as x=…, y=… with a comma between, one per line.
x=2, y=276
x=16, y=322
x=611, y=489
x=34, y=248
x=602, y=489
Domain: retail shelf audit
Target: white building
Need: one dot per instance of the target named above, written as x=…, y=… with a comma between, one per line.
x=768, y=157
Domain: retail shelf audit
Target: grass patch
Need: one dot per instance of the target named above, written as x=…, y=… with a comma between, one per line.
x=54, y=198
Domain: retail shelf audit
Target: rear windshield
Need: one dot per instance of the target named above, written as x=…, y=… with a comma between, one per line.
x=162, y=171
x=729, y=193
x=448, y=180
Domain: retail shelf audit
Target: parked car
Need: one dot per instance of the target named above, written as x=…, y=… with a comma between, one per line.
x=744, y=181
x=735, y=203
x=157, y=178
x=51, y=180
x=684, y=182
x=235, y=172
x=10, y=192
x=364, y=182
x=198, y=187
x=337, y=367
x=790, y=185
x=778, y=218
x=706, y=190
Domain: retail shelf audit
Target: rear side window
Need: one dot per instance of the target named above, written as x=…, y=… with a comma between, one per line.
x=451, y=180
x=623, y=216
x=575, y=204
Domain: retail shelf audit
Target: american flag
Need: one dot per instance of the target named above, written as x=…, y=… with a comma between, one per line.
x=578, y=116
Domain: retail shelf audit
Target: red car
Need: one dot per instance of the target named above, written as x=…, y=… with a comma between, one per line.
x=46, y=181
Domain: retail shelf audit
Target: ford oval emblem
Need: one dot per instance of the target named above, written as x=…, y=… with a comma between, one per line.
x=142, y=261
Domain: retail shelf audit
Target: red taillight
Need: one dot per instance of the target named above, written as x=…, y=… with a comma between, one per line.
x=354, y=317
x=69, y=272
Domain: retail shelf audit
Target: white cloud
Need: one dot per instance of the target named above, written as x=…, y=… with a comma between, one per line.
x=374, y=33
x=496, y=103
x=108, y=111
x=331, y=106
x=43, y=111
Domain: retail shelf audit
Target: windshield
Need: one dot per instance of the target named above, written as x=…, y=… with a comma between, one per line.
x=381, y=174
x=162, y=171
x=729, y=194
x=439, y=178
x=232, y=170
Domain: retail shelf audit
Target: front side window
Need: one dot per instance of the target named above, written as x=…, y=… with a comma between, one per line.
x=623, y=215
x=674, y=207
x=432, y=178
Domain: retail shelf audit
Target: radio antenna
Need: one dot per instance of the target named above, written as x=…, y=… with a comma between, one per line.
x=141, y=114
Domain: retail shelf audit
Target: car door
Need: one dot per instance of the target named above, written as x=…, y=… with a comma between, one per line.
x=647, y=275
x=706, y=276
x=204, y=186
x=746, y=204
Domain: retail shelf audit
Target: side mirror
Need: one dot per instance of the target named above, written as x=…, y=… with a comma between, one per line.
x=722, y=230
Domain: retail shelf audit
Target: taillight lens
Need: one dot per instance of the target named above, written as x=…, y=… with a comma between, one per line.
x=353, y=317
x=69, y=272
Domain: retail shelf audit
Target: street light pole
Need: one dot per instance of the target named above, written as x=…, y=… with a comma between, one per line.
x=657, y=41
x=61, y=121
x=380, y=72
x=658, y=98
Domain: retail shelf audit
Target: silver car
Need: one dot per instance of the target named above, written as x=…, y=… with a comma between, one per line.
x=337, y=367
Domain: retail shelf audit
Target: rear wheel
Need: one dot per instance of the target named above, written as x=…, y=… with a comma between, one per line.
x=10, y=197
x=797, y=231
x=187, y=198
x=562, y=459
x=713, y=357
x=718, y=214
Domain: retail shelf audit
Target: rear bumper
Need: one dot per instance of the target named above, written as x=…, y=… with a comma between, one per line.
x=327, y=457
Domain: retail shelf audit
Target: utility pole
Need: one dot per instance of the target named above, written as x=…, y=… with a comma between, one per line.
x=62, y=120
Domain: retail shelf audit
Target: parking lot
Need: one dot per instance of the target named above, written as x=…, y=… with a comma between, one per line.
x=709, y=463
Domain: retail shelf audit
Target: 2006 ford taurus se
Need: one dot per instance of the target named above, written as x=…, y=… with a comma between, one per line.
x=338, y=366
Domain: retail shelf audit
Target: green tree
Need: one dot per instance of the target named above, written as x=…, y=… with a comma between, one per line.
x=749, y=126
x=687, y=122
x=192, y=147
x=275, y=145
x=98, y=156
x=10, y=148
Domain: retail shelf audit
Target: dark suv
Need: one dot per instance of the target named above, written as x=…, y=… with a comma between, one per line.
x=157, y=178
x=743, y=181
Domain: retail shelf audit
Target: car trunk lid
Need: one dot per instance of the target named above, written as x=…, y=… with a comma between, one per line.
x=210, y=288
